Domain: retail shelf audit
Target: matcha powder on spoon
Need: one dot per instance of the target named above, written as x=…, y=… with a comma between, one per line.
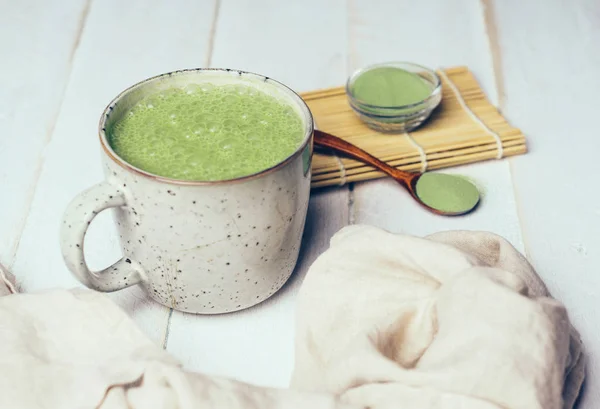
x=447, y=193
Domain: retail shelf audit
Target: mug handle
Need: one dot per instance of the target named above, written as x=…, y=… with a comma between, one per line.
x=78, y=216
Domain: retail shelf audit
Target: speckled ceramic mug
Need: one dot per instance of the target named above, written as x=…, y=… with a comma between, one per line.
x=201, y=247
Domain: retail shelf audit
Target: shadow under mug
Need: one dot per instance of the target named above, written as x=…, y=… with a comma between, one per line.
x=200, y=247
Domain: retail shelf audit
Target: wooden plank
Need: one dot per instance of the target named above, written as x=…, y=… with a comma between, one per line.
x=550, y=73
x=433, y=33
x=36, y=61
x=303, y=45
x=389, y=206
x=107, y=61
x=442, y=43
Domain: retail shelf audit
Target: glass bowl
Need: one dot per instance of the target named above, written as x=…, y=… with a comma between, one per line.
x=402, y=118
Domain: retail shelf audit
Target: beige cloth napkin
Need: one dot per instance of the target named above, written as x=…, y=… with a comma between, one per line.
x=457, y=320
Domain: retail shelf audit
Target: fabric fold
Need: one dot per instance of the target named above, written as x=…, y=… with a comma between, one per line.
x=456, y=320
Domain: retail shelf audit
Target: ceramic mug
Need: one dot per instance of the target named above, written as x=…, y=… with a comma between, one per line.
x=200, y=247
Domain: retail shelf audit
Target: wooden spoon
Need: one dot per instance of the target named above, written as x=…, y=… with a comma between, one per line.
x=407, y=179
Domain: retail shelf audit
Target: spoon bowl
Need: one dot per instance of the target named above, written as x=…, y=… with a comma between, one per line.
x=447, y=195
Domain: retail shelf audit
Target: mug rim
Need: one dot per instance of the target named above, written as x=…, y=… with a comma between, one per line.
x=309, y=131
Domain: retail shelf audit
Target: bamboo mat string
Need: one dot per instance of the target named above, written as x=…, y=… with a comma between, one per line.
x=461, y=101
x=342, y=170
x=420, y=149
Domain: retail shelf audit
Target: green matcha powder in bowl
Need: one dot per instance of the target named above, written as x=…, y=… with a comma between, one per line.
x=394, y=97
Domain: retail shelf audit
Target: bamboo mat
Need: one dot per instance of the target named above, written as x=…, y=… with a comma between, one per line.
x=450, y=137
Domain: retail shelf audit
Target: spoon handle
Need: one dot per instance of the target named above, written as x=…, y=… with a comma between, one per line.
x=324, y=139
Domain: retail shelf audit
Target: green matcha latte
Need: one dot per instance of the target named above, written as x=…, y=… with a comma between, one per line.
x=207, y=132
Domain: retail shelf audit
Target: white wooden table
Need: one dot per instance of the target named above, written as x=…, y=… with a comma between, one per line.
x=61, y=61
